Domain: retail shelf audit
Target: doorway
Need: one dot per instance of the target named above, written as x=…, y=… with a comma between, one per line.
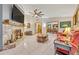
x=38, y=27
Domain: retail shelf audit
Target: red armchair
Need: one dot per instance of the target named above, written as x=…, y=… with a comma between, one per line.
x=61, y=36
x=74, y=41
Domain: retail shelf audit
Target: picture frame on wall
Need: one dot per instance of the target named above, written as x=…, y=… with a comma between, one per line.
x=28, y=25
x=65, y=24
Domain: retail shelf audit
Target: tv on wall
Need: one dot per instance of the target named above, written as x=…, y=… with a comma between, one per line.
x=17, y=15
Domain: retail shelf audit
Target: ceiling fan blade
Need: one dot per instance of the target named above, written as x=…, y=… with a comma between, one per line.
x=36, y=12
x=35, y=9
x=39, y=12
x=41, y=15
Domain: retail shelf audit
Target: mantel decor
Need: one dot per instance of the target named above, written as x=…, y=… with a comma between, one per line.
x=6, y=21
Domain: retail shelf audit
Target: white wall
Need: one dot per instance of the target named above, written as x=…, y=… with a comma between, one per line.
x=59, y=19
x=1, y=30
x=7, y=10
x=31, y=20
x=45, y=20
x=7, y=30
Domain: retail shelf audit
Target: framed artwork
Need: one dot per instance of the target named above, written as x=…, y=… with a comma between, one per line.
x=28, y=25
x=65, y=24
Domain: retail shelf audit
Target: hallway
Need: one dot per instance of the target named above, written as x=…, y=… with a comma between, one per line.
x=30, y=46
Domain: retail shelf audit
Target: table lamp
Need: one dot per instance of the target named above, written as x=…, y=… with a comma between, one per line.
x=66, y=32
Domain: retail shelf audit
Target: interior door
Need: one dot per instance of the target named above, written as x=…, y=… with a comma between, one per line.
x=38, y=27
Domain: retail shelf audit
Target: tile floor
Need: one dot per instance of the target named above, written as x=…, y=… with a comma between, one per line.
x=30, y=46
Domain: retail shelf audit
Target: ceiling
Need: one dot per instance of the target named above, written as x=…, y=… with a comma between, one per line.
x=51, y=10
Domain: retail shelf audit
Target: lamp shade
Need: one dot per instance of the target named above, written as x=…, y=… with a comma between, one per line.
x=67, y=30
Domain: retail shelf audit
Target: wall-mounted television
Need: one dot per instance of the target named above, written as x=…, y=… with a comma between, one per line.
x=17, y=15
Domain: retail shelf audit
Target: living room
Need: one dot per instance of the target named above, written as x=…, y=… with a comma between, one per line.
x=36, y=28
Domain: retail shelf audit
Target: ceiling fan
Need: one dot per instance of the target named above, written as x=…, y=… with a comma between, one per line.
x=36, y=13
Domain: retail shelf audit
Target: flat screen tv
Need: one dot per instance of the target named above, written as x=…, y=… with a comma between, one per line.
x=17, y=15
